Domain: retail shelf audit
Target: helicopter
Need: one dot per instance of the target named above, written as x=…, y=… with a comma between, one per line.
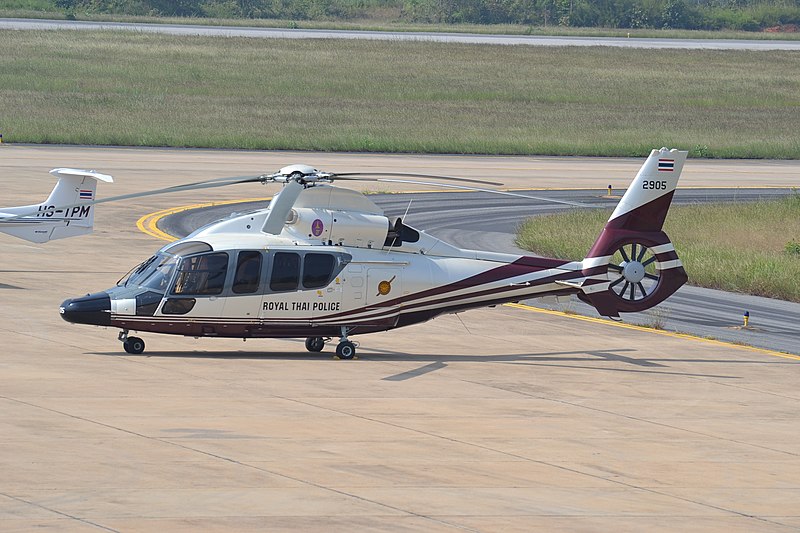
x=324, y=262
x=67, y=212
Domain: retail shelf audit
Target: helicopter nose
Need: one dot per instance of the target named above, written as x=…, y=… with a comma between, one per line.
x=94, y=309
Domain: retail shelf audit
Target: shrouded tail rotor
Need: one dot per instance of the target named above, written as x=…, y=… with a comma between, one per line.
x=636, y=276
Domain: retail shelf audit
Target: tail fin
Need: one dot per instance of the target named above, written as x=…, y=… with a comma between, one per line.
x=67, y=212
x=72, y=196
x=633, y=265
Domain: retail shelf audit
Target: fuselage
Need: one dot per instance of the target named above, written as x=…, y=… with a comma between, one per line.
x=329, y=268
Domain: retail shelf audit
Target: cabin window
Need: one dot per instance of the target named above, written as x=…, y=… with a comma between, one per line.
x=248, y=272
x=317, y=270
x=285, y=271
x=178, y=306
x=147, y=303
x=202, y=274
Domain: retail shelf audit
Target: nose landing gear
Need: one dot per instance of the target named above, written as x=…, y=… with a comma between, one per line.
x=132, y=345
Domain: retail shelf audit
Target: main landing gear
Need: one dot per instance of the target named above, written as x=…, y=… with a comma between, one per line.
x=133, y=345
x=315, y=344
x=344, y=350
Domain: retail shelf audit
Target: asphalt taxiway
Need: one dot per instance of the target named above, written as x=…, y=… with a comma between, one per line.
x=467, y=38
x=498, y=419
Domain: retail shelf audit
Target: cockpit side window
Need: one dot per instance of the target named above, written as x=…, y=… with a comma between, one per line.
x=317, y=270
x=202, y=274
x=155, y=273
x=285, y=271
x=248, y=272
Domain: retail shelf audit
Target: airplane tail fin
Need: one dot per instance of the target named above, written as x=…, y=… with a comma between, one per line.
x=74, y=192
x=633, y=265
x=67, y=212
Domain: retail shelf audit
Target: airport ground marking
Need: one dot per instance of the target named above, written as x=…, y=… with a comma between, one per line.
x=148, y=224
x=673, y=334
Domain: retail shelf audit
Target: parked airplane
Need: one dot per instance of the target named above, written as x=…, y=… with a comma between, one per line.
x=67, y=212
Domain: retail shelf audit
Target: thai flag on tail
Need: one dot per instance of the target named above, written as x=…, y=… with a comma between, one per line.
x=666, y=165
x=85, y=195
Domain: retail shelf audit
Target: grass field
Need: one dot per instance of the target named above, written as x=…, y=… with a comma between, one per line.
x=138, y=89
x=753, y=248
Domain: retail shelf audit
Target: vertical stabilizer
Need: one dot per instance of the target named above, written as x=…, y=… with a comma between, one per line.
x=633, y=265
x=67, y=212
x=646, y=202
x=71, y=198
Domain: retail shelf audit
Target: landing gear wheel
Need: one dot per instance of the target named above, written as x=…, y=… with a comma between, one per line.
x=346, y=350
x=134, y=345
x=315, y=344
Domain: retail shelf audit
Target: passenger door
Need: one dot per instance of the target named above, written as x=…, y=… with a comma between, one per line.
x=320, y=282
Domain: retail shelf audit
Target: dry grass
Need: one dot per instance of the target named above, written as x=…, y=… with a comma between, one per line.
x=138, y=89
x=735, y=247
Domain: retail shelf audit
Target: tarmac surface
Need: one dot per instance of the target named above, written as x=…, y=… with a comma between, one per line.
x=501, y=419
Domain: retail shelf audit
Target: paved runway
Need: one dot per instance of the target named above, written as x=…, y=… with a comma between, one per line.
x=469, y=38
x=501, y=419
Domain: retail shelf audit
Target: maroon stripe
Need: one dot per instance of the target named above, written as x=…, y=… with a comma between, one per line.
x=599, y=269
x=520, y=267
x=647, y=217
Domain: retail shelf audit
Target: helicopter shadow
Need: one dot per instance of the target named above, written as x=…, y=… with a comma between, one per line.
x=578, y=360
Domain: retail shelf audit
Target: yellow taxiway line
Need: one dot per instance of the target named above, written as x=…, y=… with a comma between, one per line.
x=656, y=331
x=148, y=224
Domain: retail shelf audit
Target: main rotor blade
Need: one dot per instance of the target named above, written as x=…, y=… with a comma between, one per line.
x=211, y=184
x=492, y=191
x=345, y=175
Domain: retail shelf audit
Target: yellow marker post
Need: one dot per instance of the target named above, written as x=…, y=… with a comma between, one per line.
x=1, y=138
x=746, y=317
x=609, y=190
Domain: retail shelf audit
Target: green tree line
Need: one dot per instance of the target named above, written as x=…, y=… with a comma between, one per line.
x=749, y=15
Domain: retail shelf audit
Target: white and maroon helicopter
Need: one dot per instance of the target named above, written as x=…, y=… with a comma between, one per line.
x=324, y=262
x=67, y=212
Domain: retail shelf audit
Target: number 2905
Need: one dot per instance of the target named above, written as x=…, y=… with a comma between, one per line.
x=659, y=185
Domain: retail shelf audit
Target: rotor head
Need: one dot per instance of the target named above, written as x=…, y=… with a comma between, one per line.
x=306, y=175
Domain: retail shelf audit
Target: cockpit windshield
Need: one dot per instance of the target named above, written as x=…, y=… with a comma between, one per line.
x=154, y=274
